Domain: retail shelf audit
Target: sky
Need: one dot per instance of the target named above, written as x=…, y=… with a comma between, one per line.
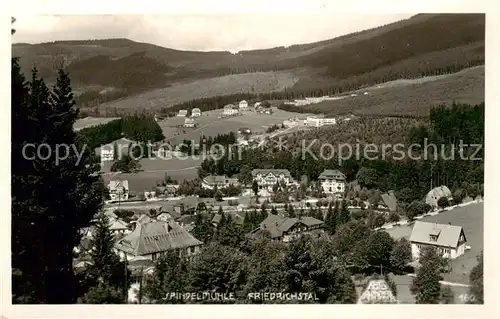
x=231, y=32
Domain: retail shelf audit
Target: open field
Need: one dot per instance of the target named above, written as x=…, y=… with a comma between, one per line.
x=258, y=82
x=471, y=218
x=409, y=97
x=153, y=171
x=210, y=125
x=92, y=121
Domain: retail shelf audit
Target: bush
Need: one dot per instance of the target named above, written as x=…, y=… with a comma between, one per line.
x=443, y=202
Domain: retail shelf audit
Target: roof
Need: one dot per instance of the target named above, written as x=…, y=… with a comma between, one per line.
x=438, y=192
x=189, y=202
x=143, y=219
x=331, y=174
x=186, y=219
x=118, y=184
x=156, y=237
x=448, y=235
x=243, y=101
x=390, y=200
x=277, y=225
x=118, y=225
x=228, y=106
x=196, y=110
x=272, y=171
x=237, y=217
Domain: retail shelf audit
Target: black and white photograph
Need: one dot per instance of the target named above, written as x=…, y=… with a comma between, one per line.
x=248, y=159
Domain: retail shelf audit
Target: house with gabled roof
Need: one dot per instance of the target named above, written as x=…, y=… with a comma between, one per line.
x=118, y=190
x=449, y=240
x=152, y=239
x=221, y=181
x=287, y=229
x=389, y=201
x=267, y=178
x=332, y=181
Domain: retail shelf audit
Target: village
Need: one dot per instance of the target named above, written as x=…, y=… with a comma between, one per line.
x=165, y=215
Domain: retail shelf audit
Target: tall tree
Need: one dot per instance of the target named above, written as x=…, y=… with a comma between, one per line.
x=52, y=197
x=170, y=275
x=425, y=285
x=107, y=268
x=476, y=279
x=401, y=254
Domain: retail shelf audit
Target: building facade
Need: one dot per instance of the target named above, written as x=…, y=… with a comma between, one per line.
x=229, y=110
x=287, y=229
x=319, y=121
x=189, y=122
x=448, y=240
x=219, y=181
x=267, y=178
x=243, y=105
x=332, y=181
x=118, y=190
x=196, y=112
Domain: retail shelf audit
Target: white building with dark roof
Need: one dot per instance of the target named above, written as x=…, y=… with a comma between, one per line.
x=332, y=181
x=182, y=113
x=118, y=190
x=267, y=178
x=449, y=240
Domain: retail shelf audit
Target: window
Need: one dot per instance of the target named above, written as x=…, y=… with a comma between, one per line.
x=192, y=249
x=153, y=256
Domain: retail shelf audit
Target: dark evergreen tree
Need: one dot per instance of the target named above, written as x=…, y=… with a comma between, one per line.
x=425, y=285
x=52, y=199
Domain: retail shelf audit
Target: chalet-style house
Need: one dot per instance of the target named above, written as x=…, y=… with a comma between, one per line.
x=238, y=217
x=182, y=113
x=332, y=181
x=449, y=240
x=267, y=178
x=118, y=190
x=151, y=239
x=220, y=181
x=286, y=229
x=196, y=112
x=388, y=201
x=107, y=152
x=436, y=193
